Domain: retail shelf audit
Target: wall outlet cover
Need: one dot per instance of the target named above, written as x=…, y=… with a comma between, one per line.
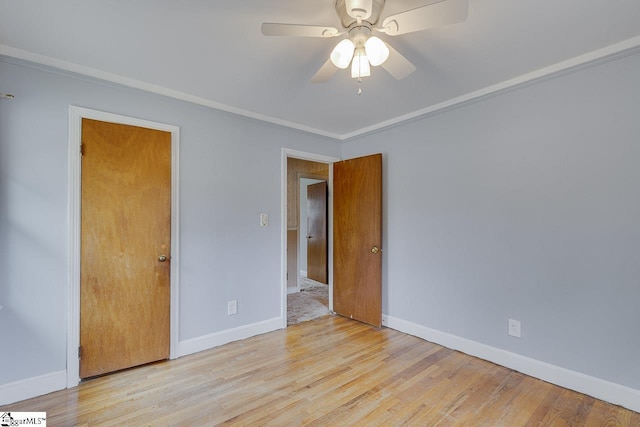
x=514, y=328
x=232, y=307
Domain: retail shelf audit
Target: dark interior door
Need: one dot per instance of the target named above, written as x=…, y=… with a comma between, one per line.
x=317, y=232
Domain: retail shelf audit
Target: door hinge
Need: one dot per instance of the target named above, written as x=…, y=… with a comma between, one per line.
x=81, y=149
x=79, y=352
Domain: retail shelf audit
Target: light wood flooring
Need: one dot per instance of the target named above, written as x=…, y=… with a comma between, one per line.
x=330, y=371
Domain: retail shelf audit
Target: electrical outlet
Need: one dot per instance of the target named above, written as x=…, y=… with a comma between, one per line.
x=232, y=307
x=514, y=328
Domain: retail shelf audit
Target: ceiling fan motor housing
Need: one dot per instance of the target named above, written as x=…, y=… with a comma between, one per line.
x=350, y=10
x=359, y=35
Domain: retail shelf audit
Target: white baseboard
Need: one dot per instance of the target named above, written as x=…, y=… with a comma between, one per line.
x=293, y=290
x=592, y=386
x=44, y=384
x=303, y=273
x=207, y=342
x=32, y=387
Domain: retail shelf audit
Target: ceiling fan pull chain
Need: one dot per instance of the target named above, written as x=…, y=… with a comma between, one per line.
x=359, y=85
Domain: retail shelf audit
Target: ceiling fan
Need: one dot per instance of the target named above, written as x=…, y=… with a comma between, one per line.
x=359, y=20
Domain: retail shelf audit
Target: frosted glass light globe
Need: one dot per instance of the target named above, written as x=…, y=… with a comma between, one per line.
x=377, y=51
x=342, y=54
x=360, y=66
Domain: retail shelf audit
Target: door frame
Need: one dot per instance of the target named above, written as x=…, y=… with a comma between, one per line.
x=76, y=114
x=312, y=157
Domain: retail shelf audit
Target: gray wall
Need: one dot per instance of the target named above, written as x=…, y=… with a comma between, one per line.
x=230, y=172
x=525, y=205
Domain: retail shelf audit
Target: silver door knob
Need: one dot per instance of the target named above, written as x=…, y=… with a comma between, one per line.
x=162, y=258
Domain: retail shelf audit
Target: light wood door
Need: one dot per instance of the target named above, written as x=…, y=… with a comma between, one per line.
x=317, y=232
x=357, y=237
x=126, y=230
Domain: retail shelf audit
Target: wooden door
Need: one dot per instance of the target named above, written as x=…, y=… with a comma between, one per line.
x=125, y=247
x=357, y=236
x=317, y=232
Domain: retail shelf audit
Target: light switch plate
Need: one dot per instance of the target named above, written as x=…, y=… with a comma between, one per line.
x=264, y=220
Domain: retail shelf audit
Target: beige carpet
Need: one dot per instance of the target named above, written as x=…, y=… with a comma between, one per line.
x=310, y=303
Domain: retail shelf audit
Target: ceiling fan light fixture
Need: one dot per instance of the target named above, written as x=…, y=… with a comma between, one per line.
x=377, y=51
x=360, y=65
x=358, y=19
x=342, y=54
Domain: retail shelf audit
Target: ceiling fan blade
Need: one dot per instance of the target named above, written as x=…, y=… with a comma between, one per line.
x=422, y=18
x=325, y=72
x=298, y=30
x=397, y=65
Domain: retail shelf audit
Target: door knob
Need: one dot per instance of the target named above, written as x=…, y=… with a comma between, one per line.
x=162, y=258
x=375, y=250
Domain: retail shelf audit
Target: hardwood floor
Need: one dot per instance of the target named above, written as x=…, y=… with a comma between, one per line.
x=331, y=371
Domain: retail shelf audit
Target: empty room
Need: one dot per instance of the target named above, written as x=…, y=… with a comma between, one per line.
x=456, y=181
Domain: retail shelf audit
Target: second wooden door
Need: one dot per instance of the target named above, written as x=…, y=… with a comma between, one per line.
x=357, y=236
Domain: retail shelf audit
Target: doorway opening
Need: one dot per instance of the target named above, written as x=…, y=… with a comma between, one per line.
x=306, y=295
x=310, y=298
x=355, y=198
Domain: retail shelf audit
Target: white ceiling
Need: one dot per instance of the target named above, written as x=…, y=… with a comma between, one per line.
x=212, y=52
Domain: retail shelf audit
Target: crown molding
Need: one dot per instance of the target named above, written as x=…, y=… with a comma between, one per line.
x=617, y=50
x=152, y=88
x=609, y=53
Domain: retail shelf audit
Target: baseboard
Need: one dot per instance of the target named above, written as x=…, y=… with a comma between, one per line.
x=32, y=387
x=44, y=384
x=303, y=273
x=207, y=342
x=592, y=386
x=293, y=290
